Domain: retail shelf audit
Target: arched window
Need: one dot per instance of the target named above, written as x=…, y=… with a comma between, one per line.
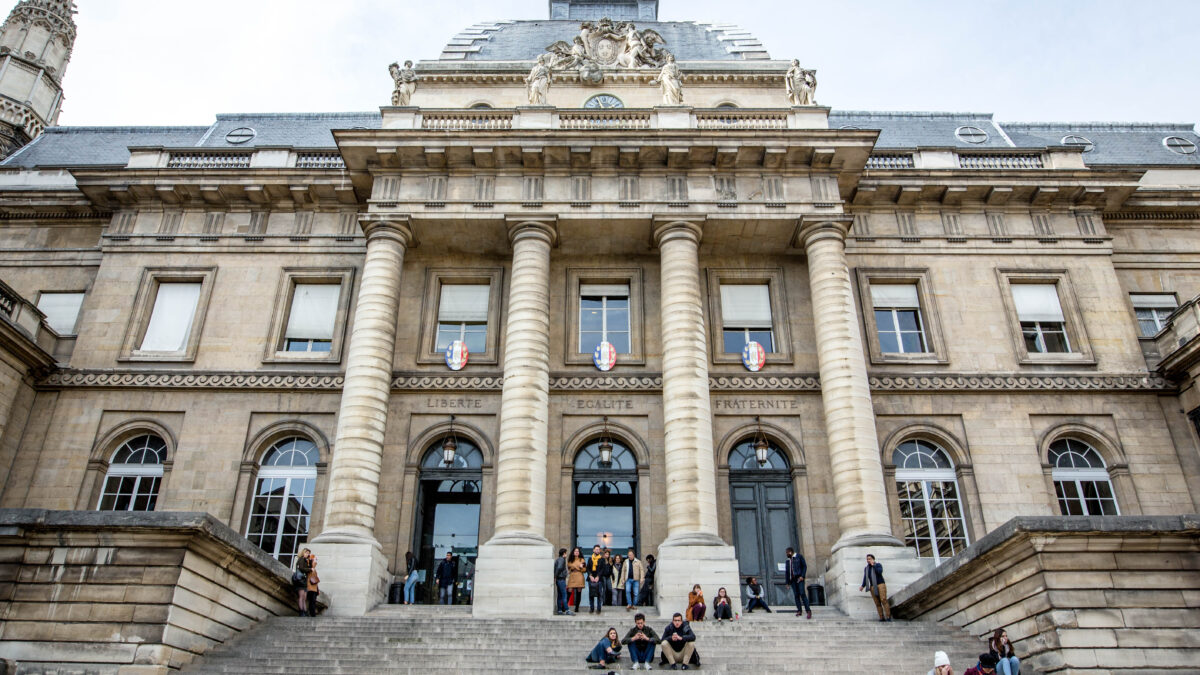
x=283, y=498
x=742, y=458
x=605, y=497
x=134, y=474
x=930, y=507
x=1081, y=480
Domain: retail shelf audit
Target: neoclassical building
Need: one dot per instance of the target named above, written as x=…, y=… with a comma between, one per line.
x=599, y=278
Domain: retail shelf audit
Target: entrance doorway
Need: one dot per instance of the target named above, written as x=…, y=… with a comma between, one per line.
x=764, y=517
x=606, y=498
x=448, y=518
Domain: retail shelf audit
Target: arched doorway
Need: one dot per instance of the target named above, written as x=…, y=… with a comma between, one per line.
x=448, y=515
x=764, y=516
x=605, y=494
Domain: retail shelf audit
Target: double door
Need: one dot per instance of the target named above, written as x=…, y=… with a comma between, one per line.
x=764, y=527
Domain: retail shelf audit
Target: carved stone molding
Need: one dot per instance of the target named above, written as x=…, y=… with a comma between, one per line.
x=752, y=383
x=447, y=382
x=606, y=383
x=192, y=380
x=1129, y=382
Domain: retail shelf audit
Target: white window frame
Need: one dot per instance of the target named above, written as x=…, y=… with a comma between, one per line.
x=143, y=313
x=772, y=278
x=579, y=277
x=138, y=471
x=1081, y=475
x=74, y=328
x=925, y=477
x=1073, y=328
x=604, y=311
x=894, y=310
x=289, y=278
x=435, y=278
x=1160, y=306
x=288, y=474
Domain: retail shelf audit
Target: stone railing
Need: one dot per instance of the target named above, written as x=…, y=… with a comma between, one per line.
x=1176, y=344
x=142, y=592
x=732, y=118
x=1006, y=161
x=467, y=120
x=604, y=119
x=890, y=161
x=1076, y=594
x=319, y=160
x=29, y=321
x=209, y=160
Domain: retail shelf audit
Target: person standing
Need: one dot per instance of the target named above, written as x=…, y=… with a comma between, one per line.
x=618, y=586
x=560, y=583
x=647, y=596
x=632, y=574
x=410, y=578
x=313, y=588
x=606, y=579
x=597, y=570
x=300, y=579
x=1007, y=662
x=678, y=643
x=641, y=640
x=797, y=569
x=575, y=566
x=754, y=591
x=446, y=576
x=873, y=580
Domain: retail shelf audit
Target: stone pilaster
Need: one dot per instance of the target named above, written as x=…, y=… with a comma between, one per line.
x=858, y=483
x=513, y=575
x=692, y=553
x=350, y=561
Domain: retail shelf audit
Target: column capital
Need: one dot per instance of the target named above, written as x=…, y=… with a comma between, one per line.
x=813, y=227
x=532, y=226
x=398, y=228
x=669, y=228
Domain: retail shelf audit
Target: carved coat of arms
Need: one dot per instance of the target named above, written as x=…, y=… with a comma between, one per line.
x=607, y=44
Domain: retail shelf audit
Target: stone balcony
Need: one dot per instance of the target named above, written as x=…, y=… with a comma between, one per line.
x=1176, y=348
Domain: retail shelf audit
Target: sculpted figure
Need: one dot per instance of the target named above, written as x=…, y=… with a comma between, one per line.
x=405, y=80
x=537, y=84
x=671, y=82
x=567, y=56
x=801, y=85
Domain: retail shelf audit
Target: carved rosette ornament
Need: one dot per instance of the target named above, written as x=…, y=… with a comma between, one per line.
x=605, y=44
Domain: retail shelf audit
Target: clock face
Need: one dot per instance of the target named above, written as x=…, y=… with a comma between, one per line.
x=604, y=101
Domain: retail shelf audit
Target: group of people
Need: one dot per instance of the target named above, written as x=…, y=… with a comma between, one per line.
x=306, y=582
x=610, y=580
x=678, y=645
x=1000, y=659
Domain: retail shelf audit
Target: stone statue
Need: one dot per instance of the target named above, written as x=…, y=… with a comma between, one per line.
x=538, y=82
x=671, y=81
x=801, y=85
x=605, y=45
x=406, y=83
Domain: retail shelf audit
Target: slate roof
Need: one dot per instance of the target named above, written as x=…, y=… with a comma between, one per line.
x=524, y=40
x=921, y=129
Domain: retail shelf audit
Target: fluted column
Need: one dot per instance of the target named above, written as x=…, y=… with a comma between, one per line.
x=693, y=552
x=513, y=572
x=687, y=412
x=353, y=568
x=858, y=484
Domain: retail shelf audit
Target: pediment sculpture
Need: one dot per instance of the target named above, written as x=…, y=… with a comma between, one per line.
x=604, y=44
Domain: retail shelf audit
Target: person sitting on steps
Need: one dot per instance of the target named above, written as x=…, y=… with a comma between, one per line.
x=986, y=666
x=722, y=607
x=941, y=664
x=641, y=640
x=754, y=591
x=606, y=652
x=696, y=606
x=679, y=644
x=1007, y=662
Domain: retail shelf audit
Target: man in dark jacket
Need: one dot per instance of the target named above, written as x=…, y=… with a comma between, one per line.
x=678, y=643
x=986, y=666
x=873, y=581
x=596, y=570
x=560, y=583
x=796, y=569
x=445, y=576
x=641, y=640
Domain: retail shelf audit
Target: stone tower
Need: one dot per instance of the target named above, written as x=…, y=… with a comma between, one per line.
x=35, y=46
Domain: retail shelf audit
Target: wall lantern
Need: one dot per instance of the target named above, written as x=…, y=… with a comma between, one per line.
x=449, y=446
x=606, y=446
x=760, y=445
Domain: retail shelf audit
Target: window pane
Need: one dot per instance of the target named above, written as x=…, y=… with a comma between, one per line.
x=591, y=319
x=907, y=318
x=889, y=343
x=618, y=319
x=1055, y=339
x=620, y=342
x=913, y=344
x=884, y=320
x=1147, y=327
x=735, y=341
x=764, y=338
x=61, y=310
x=464, y=302
x=171, y=318
x=314, y=308
x=476, y=342
x=321, y=345
x=447, y=333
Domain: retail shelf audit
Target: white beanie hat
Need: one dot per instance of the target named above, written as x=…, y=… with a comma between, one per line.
x=940, y=659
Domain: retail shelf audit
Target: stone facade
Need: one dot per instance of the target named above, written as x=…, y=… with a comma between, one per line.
x=819, y=206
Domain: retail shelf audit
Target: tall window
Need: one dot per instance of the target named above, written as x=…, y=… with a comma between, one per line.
x=1041, y=317
x=134, y=474
x=898, y=318
x=605, y=498
x=283, y=498
x=311, y=318
x=930, y=507
x=1152, y=311
x=1081, y=480
x=463, y=315
x=604, y=317
x=172, y=316
x=746, y=316
x=61, y=310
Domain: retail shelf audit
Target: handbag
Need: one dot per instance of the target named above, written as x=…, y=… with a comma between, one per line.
x=299, y=578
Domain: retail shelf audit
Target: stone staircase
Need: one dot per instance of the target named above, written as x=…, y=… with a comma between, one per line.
x=430, y=639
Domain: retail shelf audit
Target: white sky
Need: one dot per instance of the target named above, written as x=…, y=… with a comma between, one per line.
x=139, y=62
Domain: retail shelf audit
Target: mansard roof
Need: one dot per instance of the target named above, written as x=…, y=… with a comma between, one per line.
x=525, y=40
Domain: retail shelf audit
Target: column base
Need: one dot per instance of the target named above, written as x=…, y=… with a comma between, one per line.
x=514, y=577
x=353, y=575
x=844, y=573
x=690, y=559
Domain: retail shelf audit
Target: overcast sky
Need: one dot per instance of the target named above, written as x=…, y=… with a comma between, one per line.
x=182, y=61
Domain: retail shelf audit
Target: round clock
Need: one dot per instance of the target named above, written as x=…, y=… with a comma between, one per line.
x=604, y=101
